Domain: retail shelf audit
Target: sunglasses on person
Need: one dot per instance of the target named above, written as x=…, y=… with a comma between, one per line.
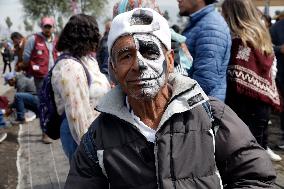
x=47, y=26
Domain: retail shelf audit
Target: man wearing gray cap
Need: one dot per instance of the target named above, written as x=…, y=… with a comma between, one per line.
x=25, y=97
x=156, y=128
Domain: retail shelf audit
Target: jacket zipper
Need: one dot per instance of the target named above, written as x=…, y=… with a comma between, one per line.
x=173, y=176
x=157, y=163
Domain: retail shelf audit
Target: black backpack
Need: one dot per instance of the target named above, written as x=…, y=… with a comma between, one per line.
x=50, y=120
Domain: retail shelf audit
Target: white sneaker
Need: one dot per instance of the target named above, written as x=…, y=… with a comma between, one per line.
x=30, y=116
x=272, y=155
x=3, y=136
x=281, y=144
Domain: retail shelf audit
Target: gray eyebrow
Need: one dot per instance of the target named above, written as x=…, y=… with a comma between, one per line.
x=124, y=49
x=113, y=54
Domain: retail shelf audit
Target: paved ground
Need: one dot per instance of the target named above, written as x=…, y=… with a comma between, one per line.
x=40, y=166
x=27, y=163
x=274, y=137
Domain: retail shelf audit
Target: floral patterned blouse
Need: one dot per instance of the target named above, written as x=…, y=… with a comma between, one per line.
x=73, y=94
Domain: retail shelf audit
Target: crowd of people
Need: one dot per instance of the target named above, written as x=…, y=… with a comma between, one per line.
x=144, y=106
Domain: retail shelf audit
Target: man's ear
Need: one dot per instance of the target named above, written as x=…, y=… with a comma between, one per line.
x=170, y=56
x=111, y=65
x=112, y=71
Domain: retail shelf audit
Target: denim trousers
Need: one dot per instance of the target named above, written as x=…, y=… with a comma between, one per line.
x=23, y=101
x=2, y=122
x=255, y=114
x=68, y=143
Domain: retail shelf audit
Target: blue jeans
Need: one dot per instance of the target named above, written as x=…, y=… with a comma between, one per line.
x=25, y=101
x=2, y=122
x=68, y=143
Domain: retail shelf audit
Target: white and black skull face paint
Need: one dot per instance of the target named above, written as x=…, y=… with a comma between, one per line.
x=152, y=65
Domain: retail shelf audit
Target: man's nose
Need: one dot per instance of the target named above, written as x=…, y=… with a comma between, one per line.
x=141, y=64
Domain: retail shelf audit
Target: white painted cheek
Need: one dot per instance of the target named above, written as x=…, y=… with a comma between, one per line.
x=157, y=65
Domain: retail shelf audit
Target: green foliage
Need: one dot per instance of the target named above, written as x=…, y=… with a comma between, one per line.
x=37, y=9
x=8, y=22
x=60, y=23
x=28, y=26
x=93, y=7
x=40, y=8
x=166, y=15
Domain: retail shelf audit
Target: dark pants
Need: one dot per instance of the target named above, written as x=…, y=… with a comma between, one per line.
x=255, y=114
x=281, y=90
x=38, y=84
x=6, y=63
x=25, y=101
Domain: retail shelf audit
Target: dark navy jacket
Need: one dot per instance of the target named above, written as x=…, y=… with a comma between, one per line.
x=277, y=36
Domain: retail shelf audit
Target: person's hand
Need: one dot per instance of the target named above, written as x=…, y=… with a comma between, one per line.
x=21, y=66
x=282, y=48
x=112, y=85
x=8, y=112
x=17, y=67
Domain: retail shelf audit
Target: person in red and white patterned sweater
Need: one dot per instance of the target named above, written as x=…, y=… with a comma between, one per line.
x=251, y=90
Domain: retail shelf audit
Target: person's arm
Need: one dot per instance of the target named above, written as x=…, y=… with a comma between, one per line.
x=74, y=90
x=212, y=48
x=99, y=55
x=274, y=68
x=277, y=47
x=29, y=46
x=85, y=173
x=240, y=159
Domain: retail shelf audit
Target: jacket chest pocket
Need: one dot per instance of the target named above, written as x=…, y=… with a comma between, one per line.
x=187, y=149
x=39, y=49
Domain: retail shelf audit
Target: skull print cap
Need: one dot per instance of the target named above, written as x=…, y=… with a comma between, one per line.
x=140, y=20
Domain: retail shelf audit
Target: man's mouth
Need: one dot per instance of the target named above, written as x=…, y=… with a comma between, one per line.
x=142, y=83
x=142, y=80
x=146, y=79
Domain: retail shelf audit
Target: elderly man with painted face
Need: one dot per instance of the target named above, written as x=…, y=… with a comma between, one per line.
x=156, y=128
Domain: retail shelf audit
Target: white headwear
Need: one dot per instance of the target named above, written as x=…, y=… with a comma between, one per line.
x=140, y=20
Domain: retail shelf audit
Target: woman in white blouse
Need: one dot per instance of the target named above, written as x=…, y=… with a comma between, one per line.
x=77, y=81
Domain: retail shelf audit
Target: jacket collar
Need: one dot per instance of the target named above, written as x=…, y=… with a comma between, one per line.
x=195, y=17
x=186, y=95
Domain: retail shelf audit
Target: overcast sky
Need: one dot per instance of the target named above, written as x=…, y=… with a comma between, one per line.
x=13, y=9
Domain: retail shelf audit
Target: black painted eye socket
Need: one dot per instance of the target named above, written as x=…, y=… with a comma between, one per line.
x=141, y=17
x=149, y=50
